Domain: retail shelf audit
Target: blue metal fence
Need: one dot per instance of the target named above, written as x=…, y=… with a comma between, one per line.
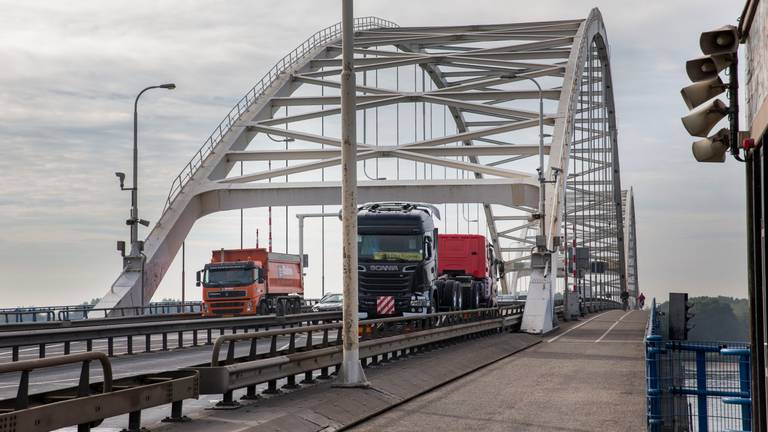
x=696, y=386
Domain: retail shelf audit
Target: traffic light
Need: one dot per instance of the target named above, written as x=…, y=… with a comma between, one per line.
x=720, y=48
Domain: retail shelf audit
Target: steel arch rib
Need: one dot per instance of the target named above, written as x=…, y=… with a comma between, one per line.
x=538, y=316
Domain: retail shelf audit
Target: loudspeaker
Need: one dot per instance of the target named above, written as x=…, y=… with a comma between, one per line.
x=702, y=91
x=722, y=40
x=712, y=149
x=700, y=122
x=707, y=67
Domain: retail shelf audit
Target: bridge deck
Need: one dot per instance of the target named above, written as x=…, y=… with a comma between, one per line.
x=587, y=377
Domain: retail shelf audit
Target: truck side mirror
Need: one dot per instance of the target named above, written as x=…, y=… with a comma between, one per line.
x=427, y=247
x=197, y=281
x=259, y=275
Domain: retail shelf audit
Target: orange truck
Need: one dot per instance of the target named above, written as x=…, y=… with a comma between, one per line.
x=251, y=282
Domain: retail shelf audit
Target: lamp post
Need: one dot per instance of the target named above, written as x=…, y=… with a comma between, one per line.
x=542, y=180
x=134, y=261
x=134, y=221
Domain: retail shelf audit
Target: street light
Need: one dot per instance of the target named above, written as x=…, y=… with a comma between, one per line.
x=134, y=221
x=134, y=261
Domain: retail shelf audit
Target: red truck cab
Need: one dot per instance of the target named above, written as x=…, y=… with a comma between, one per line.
x=462, y=255
x=250, y=282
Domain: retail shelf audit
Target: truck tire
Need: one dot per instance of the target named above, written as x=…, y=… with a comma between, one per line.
x=432, y=303
x=452, y=295
x=476, y=288
x=262, y=308
x=459, y=290
x=281, y=306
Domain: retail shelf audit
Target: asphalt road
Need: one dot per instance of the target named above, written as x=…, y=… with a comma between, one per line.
x=588, y=377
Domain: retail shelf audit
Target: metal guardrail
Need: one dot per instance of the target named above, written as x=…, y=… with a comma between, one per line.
x=43, y=338
x=91, y=322
x=244, y=104
x=33, y=314
x=380, y=338
x=87, y=404
x=65, y=316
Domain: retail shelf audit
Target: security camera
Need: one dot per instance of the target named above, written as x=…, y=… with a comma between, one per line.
x=121, y=176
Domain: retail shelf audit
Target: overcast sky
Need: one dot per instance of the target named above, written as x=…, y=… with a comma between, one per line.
x=69, y=72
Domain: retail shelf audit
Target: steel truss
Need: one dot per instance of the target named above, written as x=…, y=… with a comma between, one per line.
x=446, y=115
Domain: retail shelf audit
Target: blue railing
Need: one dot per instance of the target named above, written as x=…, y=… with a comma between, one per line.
x=696, y=386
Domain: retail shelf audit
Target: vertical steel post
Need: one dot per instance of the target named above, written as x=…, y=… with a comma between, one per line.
x=184, y=273
x=701, y=390
x=351, y=373
x=755, y=282
x=301, y=247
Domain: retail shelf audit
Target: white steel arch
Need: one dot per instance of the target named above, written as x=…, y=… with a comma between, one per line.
x=413, y=82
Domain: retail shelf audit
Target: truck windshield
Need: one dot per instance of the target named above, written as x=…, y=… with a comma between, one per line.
x=389, y=247
x=228, y=276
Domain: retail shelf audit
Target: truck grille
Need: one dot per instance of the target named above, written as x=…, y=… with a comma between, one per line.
x=219, y=294
x=384, y=282
x=226, y=307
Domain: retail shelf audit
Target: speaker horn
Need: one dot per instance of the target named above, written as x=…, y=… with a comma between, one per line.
x=722, y=40
x=700, y=122
x=707, y=67
x=702, y=91
x=712, y=149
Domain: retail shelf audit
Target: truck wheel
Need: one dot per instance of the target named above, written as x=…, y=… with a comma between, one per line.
x=432, y=303
x=262, y=308
x=453, y=293
x=441, y=297
x=296, y=306
x=476, y=296
x=459, y=296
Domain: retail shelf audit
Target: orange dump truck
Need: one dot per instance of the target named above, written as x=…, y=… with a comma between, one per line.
x=251, y=282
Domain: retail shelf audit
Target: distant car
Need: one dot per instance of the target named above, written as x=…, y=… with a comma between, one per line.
x=509, y=299
x=329, y=303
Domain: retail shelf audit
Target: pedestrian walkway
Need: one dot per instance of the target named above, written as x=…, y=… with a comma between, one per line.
x=587, y=377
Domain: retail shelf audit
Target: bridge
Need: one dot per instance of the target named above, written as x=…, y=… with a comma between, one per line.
x=461, y=117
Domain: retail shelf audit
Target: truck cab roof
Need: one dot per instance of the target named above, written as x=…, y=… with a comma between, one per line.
x=405, y=218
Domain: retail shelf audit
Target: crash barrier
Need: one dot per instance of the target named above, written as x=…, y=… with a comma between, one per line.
x=87, y=404
x=381, y=339
x=107, y=335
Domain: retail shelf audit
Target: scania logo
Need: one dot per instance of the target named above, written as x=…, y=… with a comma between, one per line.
x=383, y=267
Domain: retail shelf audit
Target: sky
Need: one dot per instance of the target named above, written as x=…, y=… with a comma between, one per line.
x=70, y=71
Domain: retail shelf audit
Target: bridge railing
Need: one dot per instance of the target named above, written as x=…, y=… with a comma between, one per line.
x=18, y=315
x=310, y=44
x=696, y=386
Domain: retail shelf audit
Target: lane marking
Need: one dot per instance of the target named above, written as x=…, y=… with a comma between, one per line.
x=575, y=327
x=612, y=326
x=581, y=341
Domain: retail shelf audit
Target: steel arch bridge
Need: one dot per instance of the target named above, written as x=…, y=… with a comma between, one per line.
x=446, y=115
